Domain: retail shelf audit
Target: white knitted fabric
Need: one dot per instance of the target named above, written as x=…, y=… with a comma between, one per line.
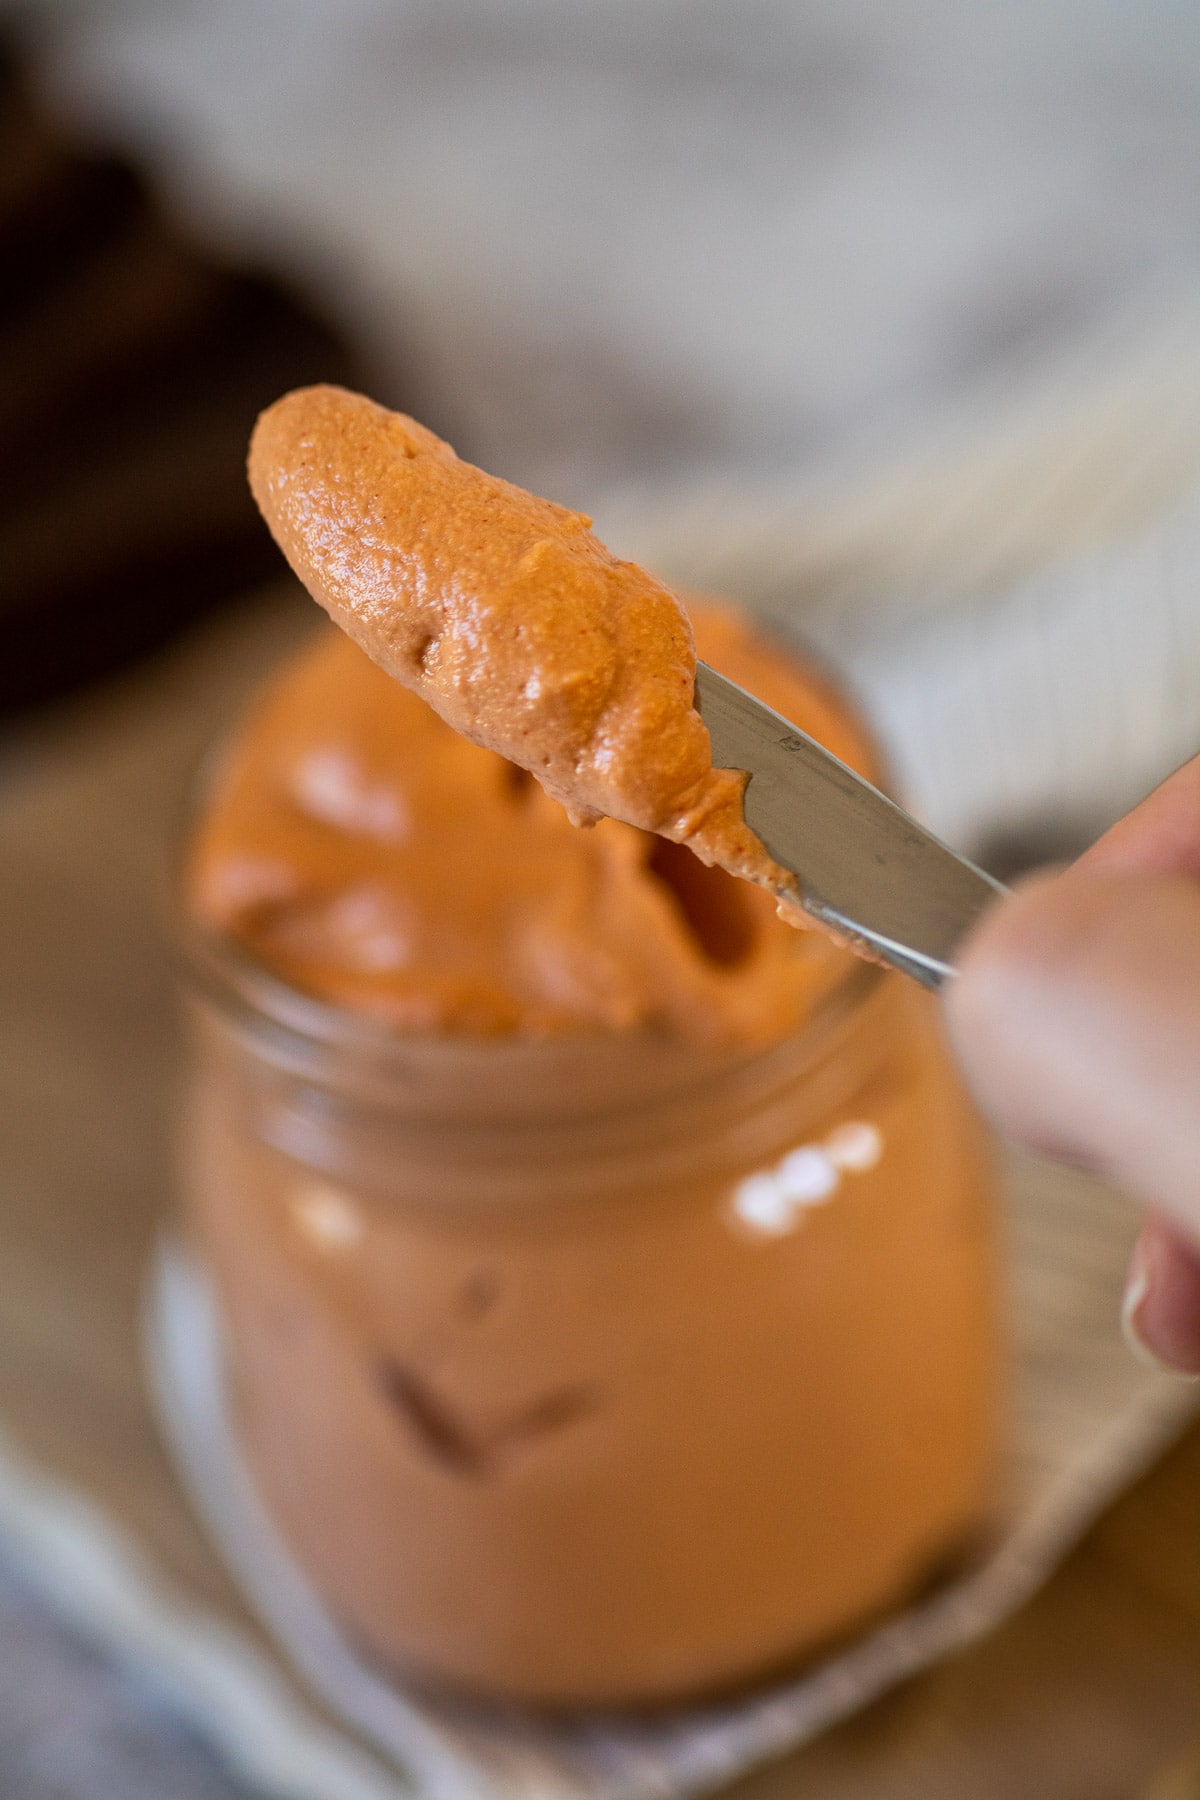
x=885, y=317
x=1016, y=603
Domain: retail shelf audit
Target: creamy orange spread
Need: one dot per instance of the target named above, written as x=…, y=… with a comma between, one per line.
x=542, y=1400
x=367, y=853
x=507, y=615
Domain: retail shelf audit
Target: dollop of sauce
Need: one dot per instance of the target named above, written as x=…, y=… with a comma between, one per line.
x=367, y=853
x=507, y=615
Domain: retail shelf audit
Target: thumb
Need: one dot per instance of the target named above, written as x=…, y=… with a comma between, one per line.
x=1076, y=1015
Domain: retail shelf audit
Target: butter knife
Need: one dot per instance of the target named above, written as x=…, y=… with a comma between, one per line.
x=864, y=867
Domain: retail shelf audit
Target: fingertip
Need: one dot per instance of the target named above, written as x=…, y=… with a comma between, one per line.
x=1002, y=1012
x=1018, y=936
x=1024, y=934
x=1075, y=1017
x=1160, y=1312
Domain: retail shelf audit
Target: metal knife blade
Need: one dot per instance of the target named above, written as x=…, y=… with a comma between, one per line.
x=864, y=867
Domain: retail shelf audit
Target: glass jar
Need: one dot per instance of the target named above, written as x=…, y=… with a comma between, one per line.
x=597, y=1370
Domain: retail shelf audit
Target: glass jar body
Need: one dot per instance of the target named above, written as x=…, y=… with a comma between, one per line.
x=611, y=1387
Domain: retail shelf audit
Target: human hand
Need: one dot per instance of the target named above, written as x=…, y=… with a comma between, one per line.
x=1076, y=1015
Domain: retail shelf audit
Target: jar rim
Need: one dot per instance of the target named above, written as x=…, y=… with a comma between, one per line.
x=489, y=1078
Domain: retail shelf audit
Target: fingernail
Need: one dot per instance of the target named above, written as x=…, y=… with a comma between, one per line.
x=1138, y=1284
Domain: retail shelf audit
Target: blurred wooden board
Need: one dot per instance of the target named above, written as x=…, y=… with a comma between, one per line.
x=132, y=364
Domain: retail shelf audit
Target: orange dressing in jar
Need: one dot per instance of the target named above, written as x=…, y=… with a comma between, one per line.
x=606, y=1269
